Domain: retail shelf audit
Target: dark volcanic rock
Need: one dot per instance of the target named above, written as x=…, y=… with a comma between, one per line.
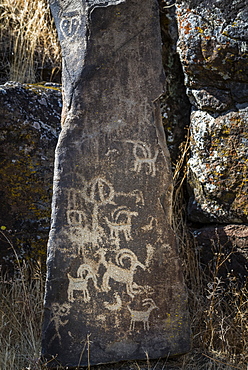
x=230, y=244
x=30, y=123
x=114, y=289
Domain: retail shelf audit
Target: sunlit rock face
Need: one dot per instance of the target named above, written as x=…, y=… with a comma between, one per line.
x=115, y=288
x=213, y=51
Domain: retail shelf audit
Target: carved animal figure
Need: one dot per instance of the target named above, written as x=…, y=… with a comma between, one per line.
x=142, y=316
x=122, y=223
x=114, y=306
x=80, y=283
x=119, y=273
x=143, y=155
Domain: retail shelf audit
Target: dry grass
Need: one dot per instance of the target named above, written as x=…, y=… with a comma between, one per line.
x=21, y=305
x=28, y=39
x=20, y=321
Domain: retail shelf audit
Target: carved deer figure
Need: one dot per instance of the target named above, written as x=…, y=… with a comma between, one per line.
x=142, y=316
x=121, y=222
x=119, y=273
x=84, y=273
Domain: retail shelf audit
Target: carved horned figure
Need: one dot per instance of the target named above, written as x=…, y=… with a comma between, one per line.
x=142, y=316
x=143, y=155
x=119, y=273
x=84, y=273
x=121, y=223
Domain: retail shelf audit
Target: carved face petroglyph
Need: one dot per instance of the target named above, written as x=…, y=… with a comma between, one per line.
x=70, y=23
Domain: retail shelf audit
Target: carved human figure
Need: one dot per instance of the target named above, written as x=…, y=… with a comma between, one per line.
x=58, y=312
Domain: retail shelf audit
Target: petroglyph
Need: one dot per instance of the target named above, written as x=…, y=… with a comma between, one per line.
x=111, y=173
x=114, y=306
x=121, y=223
x=142, y=316
x=149, y=254
x=76, y=217
x=70, y=23
x=80, y=283
x=119, y=273
x=136, y=194
x=99, y=191
x=143, y=156
x=87, y=206
x=152, y=223
x=58, y=312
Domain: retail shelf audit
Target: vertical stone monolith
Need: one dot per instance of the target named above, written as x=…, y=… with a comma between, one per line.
x=114, y=287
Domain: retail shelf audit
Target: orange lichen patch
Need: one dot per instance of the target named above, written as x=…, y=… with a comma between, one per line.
x=187, y=28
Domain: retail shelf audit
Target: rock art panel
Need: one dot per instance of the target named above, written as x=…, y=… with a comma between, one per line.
x=114, y=287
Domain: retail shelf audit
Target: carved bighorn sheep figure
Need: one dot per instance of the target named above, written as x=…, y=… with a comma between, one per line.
x=121, y=222
x=118, y=272
x=142, y=154
x=142, y=316
x=84, y=273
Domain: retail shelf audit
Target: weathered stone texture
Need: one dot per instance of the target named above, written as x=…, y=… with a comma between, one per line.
x=218, y=168
x=115, y=288
x=175, y=105
x=30, y=123
x=213, y=50
x=228, y=247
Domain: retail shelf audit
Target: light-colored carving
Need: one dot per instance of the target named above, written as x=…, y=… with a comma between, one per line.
x=149, y=254
x=118, y=272
x=121, y=223
x=150, y=226
x=74, y=199
x=70, y=23
x=114, y=306
x=99, y=191
x=142, y=316
x=76, y=217
x=136, y=194
x=143, y=156
x=80, y=283
x=58, y=312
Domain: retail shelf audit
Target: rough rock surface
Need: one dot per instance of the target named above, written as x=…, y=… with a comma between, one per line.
x=30, y=123
x=228, y=247
x=114, y=289
x=175, y=105
x=213, y=52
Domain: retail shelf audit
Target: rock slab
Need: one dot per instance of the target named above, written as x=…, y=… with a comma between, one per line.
x=115, y=288
x=213, y=49
x=29, y=129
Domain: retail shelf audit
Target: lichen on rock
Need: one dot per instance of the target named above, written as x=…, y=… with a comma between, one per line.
x=30, y=123
x=213, y=52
